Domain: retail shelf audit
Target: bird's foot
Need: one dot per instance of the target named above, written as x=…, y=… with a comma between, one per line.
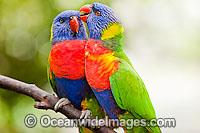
x=61, y=102
x=86, y=114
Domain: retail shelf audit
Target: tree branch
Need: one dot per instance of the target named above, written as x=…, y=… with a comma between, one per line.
x=46, y=100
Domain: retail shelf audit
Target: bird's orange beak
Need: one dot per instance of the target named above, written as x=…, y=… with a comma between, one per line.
x=84, y=12
x=74, y=24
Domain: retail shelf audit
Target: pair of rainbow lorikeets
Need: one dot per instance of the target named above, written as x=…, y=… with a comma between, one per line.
x=94, y=74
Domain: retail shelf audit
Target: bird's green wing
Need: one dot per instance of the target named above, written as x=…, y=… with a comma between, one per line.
x=51, y=78
x=130, y=92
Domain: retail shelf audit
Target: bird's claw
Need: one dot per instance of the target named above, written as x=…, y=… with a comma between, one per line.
x=61, y=102
x=86, y=114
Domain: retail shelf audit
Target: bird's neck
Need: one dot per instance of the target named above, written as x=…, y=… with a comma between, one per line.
x=112, y=36
x=112, y=30
x=62, y=38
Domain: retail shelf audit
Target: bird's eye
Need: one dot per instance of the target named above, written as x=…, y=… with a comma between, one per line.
x=61, y=20
x=98, y=13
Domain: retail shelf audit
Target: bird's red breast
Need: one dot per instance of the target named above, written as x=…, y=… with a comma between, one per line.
x=67, y=59
x=100, y=65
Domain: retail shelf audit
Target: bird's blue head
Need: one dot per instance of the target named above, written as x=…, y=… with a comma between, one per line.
x=101, y=21
x=68, y=26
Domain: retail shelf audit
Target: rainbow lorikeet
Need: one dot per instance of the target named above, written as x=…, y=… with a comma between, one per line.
x=66, y=66
x=117, y=86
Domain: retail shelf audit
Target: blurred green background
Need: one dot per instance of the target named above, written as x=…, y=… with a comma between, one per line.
x=161, y=39
x=24, y=48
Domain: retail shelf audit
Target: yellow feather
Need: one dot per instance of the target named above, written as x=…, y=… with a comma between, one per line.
x=51, y=33
x=106, y=63
x=112, y=30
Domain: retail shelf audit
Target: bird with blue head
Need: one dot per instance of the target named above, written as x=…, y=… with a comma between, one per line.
x=117, y=86
x=66, y=65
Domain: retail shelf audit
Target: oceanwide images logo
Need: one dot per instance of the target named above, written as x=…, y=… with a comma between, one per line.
x=46, y=121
